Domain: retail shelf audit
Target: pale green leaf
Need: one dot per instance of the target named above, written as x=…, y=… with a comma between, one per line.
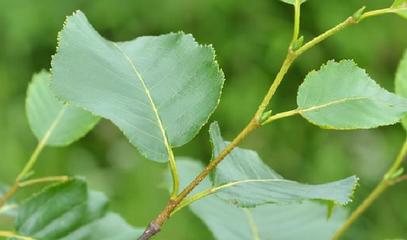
x=292, y=1
x=158, y=90
x=401, y=82
x=400, y=4
x=244, y=179
x=305, y=221
x=342, y=96
x=9, y=209
x=68, y=211
x=48, y=116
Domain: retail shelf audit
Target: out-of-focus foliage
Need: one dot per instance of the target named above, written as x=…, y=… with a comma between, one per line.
x=250, y=40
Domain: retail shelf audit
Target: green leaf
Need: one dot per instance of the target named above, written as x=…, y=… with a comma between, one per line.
x=400, y=4
x=342, y=96
x=9, y=209
x=244, y=179
x=401, y=82
x=68, y=211
x=292, y=1
x=306, y=221
x=158, y=90
x=47, y=116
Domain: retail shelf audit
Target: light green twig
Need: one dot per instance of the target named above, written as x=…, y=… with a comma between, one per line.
x=386, y=182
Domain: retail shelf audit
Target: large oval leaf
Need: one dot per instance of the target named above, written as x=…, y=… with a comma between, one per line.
x=158, y=90
x=49, y=118
x=68, y=211
x=401, y=82
x=244, y=179
x=342, y=96
x=307, y=221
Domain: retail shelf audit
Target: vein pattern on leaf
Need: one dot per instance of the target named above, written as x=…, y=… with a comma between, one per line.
x=178, y=86
x=307, y=220
x=243, y=179
x=150, y=99
x=69, y=211
x=342, y=96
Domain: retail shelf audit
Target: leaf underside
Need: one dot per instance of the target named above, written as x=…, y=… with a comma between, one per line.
x=247, y=181
x=342, y=96
x=44, y=110
x=69, y=211
x=159, y=90
x=307, y=221
x=401, y=82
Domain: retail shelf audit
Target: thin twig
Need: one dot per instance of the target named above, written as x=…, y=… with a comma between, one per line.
x=14, y=235
x=43, y=180
x=386, y=182
x=398, y=180
x=155, y=226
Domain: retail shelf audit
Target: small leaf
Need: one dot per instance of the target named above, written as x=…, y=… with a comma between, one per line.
x=244, y=179
x=401, y=82
x=278, y=222
x=342, y=96
x=158, y=90
x=47, y=115
x=400, y=4
x=292, y=1
x=68, y=211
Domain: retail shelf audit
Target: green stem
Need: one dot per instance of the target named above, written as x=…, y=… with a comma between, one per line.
x=13, y=235
x=252, y=224
x=34, y=157
x=155, y=225
x=380, y=188
x=297, y=13
x=281, y=115
x=174, y=174
x=43, y=180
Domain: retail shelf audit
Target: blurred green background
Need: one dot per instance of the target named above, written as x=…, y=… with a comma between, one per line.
x=250, y=38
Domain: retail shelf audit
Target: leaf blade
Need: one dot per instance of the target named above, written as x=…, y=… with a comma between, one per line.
x=281, y=222
x=140, y=83
x=342, y=96
x=49, y=118
x=243, y=179
x=68, y=211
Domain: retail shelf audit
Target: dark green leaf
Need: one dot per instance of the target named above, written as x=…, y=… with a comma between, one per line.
x=68, y=211
x=401, y=82
x=342, y=96
x=48, y=117
x=243, y=178
x=158, y=90
x=306, y=221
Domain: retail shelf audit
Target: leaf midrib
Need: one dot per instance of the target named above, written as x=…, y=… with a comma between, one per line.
x=150, y=99
x=334, y=102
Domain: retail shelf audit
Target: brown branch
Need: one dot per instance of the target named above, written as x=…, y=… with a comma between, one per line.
x=155, y=226
x=8, y=194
